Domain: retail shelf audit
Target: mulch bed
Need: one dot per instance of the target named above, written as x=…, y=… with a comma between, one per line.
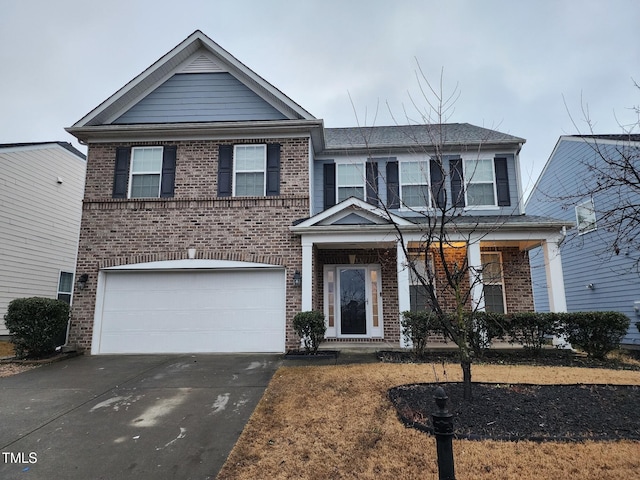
x=523, y=411
x=527, y=412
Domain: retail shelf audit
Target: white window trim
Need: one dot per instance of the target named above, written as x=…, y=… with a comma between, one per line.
x=70, y=292
x=501, y=282
x=159, y=173
x=362, y=168
x=592, y=206
x=263, y=171
x=401, y=183
x=468, y=180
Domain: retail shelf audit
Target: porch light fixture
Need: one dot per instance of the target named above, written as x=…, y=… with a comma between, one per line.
x=82, y=281
x=297, y=279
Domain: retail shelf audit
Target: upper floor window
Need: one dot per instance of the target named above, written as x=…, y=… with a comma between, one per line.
x=146, y=171
x=350, y=181
x=586, y=217
x=250, y=164
x=480, y=182
x=414, y=184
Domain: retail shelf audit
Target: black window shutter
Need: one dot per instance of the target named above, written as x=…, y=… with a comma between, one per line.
x=273, y=169
x=329, y=185
x=121, y=172
x=167, y=182
x=393, y=185
x=437, y=183
x=456, y=173
x=502, y=182
x=225, y=170
x=372, y=182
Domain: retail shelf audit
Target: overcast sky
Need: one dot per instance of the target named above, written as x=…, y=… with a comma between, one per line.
x=513, y=62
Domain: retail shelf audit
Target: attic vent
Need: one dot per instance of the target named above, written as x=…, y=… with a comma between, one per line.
x=203, y=64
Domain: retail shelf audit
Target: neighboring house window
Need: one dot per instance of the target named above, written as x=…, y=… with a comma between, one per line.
x=418, y=293
x=414, y=184
x=249, y=170
x=493, y=281
x=586, y=217
x=65, y=287
x=479, y=182
x=146, y=171
x=350, y=181
x=250, y=165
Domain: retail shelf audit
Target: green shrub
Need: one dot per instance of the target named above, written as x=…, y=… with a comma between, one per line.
x=597, y=333
x=484, y=329
x=37, y=325
x=311, y=328
x=531, y=329
x=417, y=326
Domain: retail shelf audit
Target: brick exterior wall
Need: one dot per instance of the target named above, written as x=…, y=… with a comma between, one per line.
x=254, y=229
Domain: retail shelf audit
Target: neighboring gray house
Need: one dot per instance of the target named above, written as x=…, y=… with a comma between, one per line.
x=596, y=276
x=41, y=189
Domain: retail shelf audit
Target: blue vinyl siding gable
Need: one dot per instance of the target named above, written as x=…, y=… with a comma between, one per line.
x=200, y=97
x=587, y=259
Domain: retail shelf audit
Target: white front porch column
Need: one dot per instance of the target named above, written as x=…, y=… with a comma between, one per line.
x=555, y=282
x=475, y=273
x=307, y=276
x=404, y=299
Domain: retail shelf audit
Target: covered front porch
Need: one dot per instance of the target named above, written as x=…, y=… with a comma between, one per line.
x=356, y=269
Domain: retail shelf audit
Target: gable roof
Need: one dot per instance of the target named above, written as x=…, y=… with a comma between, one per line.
x=195, y=54
x=403, y=136
x=66, y=145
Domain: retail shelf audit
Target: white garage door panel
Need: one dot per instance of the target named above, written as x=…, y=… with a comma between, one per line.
x=190, y=312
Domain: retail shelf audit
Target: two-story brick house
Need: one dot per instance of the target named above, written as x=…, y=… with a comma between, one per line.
x=216, y=208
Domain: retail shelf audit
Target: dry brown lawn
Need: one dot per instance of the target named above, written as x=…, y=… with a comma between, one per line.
x=335, y=422
x=6, y=349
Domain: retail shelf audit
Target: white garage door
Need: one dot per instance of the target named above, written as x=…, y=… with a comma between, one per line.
x=190, y=311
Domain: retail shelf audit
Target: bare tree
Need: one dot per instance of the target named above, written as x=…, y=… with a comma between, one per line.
x=439, y=255
x=612, y=174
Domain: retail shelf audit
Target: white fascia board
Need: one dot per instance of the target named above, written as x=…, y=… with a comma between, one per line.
x=194, y=264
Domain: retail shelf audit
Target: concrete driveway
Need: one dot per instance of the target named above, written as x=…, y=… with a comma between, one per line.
x=128, y=417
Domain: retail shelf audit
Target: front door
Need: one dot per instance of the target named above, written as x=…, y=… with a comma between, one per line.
x=353, y=306
x=353, y=301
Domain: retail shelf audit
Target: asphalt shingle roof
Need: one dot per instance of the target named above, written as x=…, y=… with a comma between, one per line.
x=415, y=135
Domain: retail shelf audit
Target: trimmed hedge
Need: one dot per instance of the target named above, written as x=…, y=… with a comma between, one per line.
x=596, y=333
x=311, y=328
x=37, y=325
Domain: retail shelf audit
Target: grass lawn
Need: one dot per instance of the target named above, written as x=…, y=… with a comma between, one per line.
x=6, y=349
x=333, y=422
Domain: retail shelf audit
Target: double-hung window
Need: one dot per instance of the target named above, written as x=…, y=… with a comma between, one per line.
x=421, y=270
x=493, y=281
x=414, y=184
x=250, y=164
x=350, y=180
x=146, y=172
x=480, y=182
x=586, y=217
x=65, y=287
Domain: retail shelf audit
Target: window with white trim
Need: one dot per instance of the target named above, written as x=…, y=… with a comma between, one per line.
x=493, y=281
x=418, y=293
x=586, y=217
x=350, y=181
x=249, y=167
x=480, y=182
x=65, y=287
x=414, y=184
x=146, y=171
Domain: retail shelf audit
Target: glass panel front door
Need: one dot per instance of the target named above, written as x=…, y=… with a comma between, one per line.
x=353, y=306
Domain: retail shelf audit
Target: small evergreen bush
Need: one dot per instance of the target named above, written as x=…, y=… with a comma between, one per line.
x=37, y=325
x=597, y=333
x=531, y=329
x=311, y=328
x=417, y=326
